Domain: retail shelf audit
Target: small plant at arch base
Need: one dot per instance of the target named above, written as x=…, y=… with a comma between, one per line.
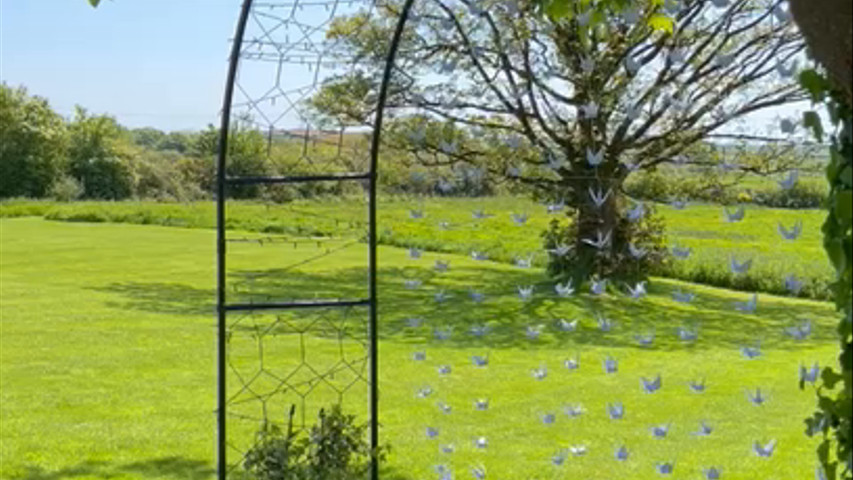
x=334, y=449
x=835, y=406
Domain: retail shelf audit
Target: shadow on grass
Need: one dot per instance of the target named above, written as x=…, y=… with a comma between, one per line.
x=178, y=468
x=166, y=467
x=712, y=313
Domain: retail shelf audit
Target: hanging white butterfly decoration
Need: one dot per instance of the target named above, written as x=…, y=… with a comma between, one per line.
x=524, y=262
x=598, y=287
x=480, y=214
x=601, y=241
x=560, y=250
x=751, y=352
x=532, y=332
x=610, y=365
x=594, y=158
x=616, y=411
x=735, y=216
x=589, y=111
x=790, y=181
x=479, y=256
x=809, y=375
x=604, y=323
x=646, y=340
x=660, y=431
x=638, y=291
x=636, y=213
x=704, y=429
x=565, y=289
x=748, y=306
x=793, y=233
x=801, y=331
x=574, y=411
x=556, y=207
x=765, y=451
x=739, y=268
x=786, y=71
x=711, y=473
x=683, y=297
x=599, y=198
x=678, y=204
x=756, y=398
x=587, y=65
x=781, y=14
x=686, y=334
x=651, y=386
x=572, y=363
x=697, y=386
x=441, y=296
x=479, y=331
x=637, y=252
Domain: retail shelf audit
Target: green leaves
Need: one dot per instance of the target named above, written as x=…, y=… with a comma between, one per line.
x=812, y=121
x=94, y=3
x=661, y=23
x=561, y=9
x=816, y=84
x=844, y=205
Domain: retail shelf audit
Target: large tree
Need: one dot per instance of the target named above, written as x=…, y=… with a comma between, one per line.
x=576, y=104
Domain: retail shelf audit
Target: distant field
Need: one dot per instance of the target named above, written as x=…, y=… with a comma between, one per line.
x=700, y=227
x=107, y=361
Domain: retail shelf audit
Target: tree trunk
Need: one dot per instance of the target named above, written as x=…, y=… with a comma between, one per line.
x=828, y=28
x=592, y=222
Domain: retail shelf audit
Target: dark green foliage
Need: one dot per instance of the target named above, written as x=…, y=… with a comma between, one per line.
x=334, y=449
x=32, y=144
x=834, y=417
x=663, y=186
x=247, y=156
x=96, y=157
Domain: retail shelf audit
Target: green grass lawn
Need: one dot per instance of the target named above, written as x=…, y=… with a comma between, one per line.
x=107, y=358
x=700, y=227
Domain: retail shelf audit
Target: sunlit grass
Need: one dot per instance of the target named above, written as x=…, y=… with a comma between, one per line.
x=108, y=345
x=700, y=227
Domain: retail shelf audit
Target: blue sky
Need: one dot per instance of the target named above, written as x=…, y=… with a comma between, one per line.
x=148, y=62
x=158, y=63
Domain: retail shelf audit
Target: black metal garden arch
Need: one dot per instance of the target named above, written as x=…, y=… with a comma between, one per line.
x=226, y=182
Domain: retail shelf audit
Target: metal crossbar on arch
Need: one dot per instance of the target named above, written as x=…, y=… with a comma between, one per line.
x=290, y=339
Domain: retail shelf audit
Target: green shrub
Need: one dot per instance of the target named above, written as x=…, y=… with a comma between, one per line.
x=66, y=189
x=808, y=193
x=32, y=144
x=335, y=449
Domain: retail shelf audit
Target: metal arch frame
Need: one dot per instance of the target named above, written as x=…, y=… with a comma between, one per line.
x=222, y=308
